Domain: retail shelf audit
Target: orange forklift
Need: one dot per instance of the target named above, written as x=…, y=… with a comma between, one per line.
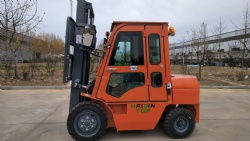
x=133, y=88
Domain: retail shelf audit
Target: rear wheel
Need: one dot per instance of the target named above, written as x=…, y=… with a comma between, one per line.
x=87, y=121
x=179, y=123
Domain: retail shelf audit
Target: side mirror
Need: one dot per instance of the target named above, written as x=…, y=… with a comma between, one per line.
x=105, y=40
x=88, y=36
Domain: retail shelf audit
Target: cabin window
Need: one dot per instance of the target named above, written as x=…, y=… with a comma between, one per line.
x=154, y=49
x=120, y=83
x=127, y=50
x=156, y=79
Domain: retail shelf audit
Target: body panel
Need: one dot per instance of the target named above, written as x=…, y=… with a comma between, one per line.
x=141, y=107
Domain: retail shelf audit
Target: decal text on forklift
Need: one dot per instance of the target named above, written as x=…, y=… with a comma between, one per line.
x=142, y=108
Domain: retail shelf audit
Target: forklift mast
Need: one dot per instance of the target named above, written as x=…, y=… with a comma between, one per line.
x=81, y=36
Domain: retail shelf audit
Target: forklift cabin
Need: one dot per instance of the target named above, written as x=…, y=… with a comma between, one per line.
x=133, y=88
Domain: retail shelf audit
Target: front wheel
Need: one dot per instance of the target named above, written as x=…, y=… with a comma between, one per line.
x=179, y=123
x=87, y=121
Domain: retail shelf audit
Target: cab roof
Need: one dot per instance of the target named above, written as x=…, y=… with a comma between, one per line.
x=133, y=22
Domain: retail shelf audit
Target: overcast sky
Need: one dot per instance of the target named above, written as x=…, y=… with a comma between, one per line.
x=184, y=15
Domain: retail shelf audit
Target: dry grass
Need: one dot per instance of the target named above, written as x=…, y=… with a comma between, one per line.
x=213, y=76
x=41, y=76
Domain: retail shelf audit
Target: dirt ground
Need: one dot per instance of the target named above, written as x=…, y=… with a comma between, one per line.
x=211, y=76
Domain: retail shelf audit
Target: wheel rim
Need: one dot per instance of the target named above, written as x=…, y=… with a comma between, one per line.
x=181, y=124
x=87, y=123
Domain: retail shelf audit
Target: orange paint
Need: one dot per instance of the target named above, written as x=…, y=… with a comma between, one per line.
x=140, y=107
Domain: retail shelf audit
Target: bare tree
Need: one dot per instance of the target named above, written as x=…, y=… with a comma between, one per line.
x=184, y=50
x=36, y=47
x=218, y=30
x=230, y=59
x=246, y=23
x=53, y=47
x=233, y=55
x=245, y=42
x=190, y=52
x=175, y=59
x=209, y=57
x=200, y=45
x=16, y=19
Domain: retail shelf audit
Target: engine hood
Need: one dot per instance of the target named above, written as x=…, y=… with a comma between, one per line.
x=184, y=82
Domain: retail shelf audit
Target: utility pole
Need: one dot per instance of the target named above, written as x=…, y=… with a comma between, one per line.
x=183, y=59
x=71, y=15
x=71, y=8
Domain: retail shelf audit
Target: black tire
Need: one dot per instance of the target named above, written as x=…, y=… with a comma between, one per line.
x=179, y=123
x=87, y=121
